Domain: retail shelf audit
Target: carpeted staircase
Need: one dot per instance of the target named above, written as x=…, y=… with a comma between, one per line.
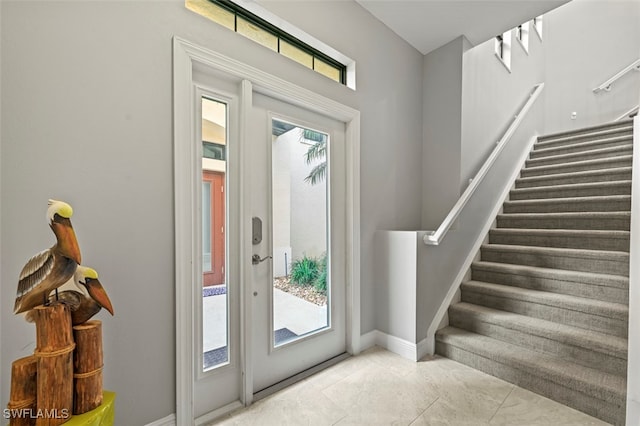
x=547, y=305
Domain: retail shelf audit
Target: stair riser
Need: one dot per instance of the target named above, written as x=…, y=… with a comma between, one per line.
x=585, y=156
x=624, y=161
x=559, y=192
x=569, y=206
x=555, y=260
x=556, y=347
x=613, y=413
x=588, y=321
x=566, y=180
x=569, y=149
x=561, y=241
x=559, y=286
x=592, y=223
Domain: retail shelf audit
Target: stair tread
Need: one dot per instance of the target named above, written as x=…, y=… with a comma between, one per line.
x=574, y=336
x=592, y=162
x=563, y=232
x=587, y=380
x=621, y=126
x=585, y=144
x=570, y=155
x=569, y=175
x=569, y=186
x=568, y=215
x=572, y=303
x=564, y=252
x=581, y=277
x=590, y=198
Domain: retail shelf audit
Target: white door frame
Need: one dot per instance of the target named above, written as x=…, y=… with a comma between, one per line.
x=185, y=56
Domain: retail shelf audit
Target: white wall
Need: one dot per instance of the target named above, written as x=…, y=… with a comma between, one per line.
x=300, y=209
x=308, y=205
x=587, y=42
x=86, y=101
x=281, y=182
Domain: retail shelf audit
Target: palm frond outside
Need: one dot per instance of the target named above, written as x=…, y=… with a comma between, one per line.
x=317, y=151
x=317, y=174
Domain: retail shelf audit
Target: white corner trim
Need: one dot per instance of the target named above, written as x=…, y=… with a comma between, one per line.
x=633, y=382
x=368, y=340
x=453, y=287
x=426, y=347
x=170, y=420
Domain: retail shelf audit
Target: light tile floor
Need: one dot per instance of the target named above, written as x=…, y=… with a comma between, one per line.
x=381, y=388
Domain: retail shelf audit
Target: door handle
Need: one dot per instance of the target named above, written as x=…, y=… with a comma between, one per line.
x=255, y=259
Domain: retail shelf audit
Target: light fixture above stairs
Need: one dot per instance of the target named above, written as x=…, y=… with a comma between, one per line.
x=547, y=304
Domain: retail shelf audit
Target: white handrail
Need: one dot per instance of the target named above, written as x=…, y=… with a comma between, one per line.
x=433, y=238
x=628, y=114
x=606, y=86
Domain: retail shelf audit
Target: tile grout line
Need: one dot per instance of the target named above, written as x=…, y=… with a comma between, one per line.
x=502, y=403
x=424, y=411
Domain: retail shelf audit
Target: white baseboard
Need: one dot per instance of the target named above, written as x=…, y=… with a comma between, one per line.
x=170, y=420
x=405, y=349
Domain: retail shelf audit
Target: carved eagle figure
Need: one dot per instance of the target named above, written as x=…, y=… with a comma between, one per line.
x=51, y=268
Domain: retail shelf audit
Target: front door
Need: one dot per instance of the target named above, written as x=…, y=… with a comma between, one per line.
x=296, y=172
x=298, y=187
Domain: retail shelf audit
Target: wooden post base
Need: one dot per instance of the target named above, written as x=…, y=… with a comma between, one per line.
x=22, y=399
x=87, y=363
x=54, y=351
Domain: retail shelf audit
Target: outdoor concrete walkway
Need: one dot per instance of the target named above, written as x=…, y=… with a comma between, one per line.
x=291, y=312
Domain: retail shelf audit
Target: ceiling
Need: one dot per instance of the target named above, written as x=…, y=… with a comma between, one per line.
x=429, y=24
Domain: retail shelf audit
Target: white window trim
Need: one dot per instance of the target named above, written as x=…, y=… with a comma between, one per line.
x=524, y=42
x=287, y=27
x=505, y=59
x=538, y=28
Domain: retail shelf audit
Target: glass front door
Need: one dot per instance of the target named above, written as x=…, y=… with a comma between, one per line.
x=298, y=277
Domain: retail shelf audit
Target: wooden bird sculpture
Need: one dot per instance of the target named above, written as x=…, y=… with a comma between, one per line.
x=51, y=268
x=83, y=304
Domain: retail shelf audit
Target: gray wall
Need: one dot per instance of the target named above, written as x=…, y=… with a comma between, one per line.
x=469, y=101
x=389, y=71
x=441, y=124
x=586, y=43
x=492, y=95
x=87, y=118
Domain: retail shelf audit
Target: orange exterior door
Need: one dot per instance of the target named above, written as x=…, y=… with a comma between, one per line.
x=213, y=228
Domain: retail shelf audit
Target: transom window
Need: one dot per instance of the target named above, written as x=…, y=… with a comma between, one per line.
x=240, y=20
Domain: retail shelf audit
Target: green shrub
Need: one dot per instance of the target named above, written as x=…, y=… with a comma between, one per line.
x=320, y=283
x=310, y=271
x=304, y=271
